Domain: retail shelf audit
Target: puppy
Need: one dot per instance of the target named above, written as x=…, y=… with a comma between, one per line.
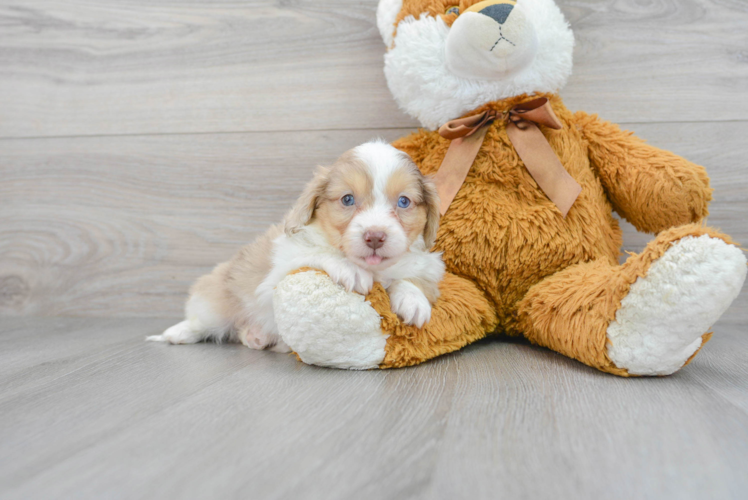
x=370, y=217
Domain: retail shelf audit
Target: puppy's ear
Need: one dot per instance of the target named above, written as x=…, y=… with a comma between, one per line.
x=303, y=210
x=431, y=200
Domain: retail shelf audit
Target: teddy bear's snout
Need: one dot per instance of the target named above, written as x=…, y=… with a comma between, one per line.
x=491, y=40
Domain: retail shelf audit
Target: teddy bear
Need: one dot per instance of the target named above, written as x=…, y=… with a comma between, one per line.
x=527, y=232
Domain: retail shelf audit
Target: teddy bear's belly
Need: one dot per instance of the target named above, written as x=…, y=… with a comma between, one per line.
x=507, y=238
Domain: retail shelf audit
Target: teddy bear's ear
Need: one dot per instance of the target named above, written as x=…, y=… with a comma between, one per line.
x=387, y=12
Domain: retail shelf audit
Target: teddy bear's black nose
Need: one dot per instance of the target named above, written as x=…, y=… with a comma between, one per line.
x=498, y=12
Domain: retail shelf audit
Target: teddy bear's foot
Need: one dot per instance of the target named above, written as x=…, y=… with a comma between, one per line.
x=326, y=325
x=645, y=317
x=661, y=321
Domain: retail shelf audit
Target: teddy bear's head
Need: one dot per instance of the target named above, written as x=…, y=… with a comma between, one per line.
x=448, y=57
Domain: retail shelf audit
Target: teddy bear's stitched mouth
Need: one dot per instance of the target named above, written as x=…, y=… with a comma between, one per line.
x=502, y=37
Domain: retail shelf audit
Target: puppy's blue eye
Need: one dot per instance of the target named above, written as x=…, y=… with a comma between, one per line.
x=348, y=200
x=453, y=10
x=403, y=202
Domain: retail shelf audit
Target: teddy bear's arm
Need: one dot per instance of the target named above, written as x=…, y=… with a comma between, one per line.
x=651, y=188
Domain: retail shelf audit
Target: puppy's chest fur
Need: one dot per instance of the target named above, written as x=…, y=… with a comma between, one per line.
x=502, y=231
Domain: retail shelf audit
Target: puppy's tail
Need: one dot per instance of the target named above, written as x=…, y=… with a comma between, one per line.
x=181, y=333
x=202, y=323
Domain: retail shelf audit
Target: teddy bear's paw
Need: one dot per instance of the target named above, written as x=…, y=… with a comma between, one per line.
x=326, y=325
x=662, y=319
x=409, y=303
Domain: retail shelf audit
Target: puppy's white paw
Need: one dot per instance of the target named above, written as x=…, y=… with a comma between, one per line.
x=364, y=281
x=255, y=337
x=181, y=333
x=351, y=277
x=409, y=303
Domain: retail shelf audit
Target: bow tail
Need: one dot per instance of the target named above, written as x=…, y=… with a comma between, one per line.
x=456, y=165
x=543, y=164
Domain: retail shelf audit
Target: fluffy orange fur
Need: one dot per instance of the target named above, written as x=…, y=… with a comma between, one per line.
x=516, y=266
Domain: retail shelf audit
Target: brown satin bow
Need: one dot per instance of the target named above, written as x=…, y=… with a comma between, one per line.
x=467, y=136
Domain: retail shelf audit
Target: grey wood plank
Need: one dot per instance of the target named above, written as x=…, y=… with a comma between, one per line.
x=663, y=59
x=559, y=430
x=496, y=419
x=88, y=219
x=723, y=364
x=110, y=67
x=121, y=226
x=57, y=346
x=107, y=390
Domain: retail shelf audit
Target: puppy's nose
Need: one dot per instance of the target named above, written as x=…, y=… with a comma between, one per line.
x=374, y=239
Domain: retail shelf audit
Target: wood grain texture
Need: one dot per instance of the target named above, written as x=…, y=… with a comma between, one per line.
x=122, y=418
x=183, y=128
x=121, y=226
x=112, y=67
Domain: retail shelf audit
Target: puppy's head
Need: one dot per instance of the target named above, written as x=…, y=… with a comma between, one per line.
x=372, y=204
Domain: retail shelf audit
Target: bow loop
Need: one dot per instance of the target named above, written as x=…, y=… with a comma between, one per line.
x=465, y=127
x=538, y=111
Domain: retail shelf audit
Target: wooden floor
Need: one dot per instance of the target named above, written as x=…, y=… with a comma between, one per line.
x=143, y=141
x=89, y=410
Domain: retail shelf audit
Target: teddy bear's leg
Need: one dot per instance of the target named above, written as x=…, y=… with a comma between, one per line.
x=327, y=326
x=646, y=317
